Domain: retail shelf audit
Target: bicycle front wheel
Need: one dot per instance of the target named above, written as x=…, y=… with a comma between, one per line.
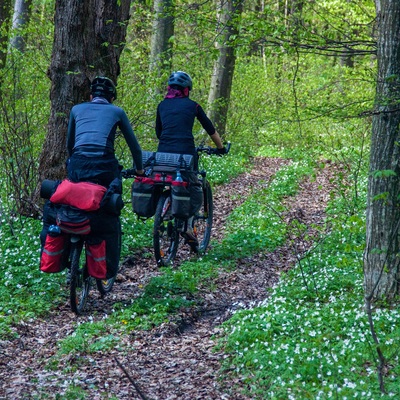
x=203, y=219
x=80, y=280
x=165, y=233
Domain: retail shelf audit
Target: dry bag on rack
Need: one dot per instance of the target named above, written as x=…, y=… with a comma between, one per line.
x=159, y=161
x=143, y=197
x=86, y=196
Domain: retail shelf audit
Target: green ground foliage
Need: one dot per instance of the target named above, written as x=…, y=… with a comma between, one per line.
x=310, y=338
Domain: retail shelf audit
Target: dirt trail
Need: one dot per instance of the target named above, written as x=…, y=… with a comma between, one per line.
x=175, y=360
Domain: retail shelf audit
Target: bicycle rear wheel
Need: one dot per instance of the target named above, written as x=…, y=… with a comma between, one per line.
x=165, y=233
x=80, y=280
x=202, y=221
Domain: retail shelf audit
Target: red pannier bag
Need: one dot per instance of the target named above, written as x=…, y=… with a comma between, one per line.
x=53, y=253
x=96, y=259
x=86, y=196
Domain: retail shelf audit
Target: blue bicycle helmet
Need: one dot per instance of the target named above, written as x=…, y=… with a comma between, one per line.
x=180, y=78
x=102, y=86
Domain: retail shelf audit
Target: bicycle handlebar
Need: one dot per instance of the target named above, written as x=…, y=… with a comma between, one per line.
x=212, y=150
x=129, y=173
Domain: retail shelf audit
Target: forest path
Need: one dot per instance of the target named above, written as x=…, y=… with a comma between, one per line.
x=175, y=360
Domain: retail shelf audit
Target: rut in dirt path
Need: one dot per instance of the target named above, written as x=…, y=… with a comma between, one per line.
x=175, y=360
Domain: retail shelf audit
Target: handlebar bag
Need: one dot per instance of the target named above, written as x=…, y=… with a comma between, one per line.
x=53, y=257
x=96, y=258
x=144, y=200
x=86, y=196
x=73, y=220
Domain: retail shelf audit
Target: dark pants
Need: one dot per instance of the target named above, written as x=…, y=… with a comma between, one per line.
x=93, y=169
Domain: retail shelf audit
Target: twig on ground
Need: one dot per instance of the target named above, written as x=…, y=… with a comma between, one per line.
x=141, y=394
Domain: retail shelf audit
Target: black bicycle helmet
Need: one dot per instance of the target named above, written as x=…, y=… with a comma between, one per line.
x=102, y=86
x=180, y=78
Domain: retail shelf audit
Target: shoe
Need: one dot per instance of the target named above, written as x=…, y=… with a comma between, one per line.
x=191, y=240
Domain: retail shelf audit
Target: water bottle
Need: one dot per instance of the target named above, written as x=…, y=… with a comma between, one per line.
x=178, y=177
x=54, y=230
x=178, y=181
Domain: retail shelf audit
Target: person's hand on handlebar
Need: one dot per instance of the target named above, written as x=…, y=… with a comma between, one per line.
x=140, y=172
x=221, y=151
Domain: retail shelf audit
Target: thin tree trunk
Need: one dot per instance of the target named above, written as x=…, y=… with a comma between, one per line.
x=22, y=11
x=5, y=14
x=381, y=265
x=228, y=13
x=163, y=30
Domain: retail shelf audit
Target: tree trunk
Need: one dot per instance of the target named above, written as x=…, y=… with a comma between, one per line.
x=88, y=41
x=163, y=30
x=5, y=13
x=228, y=13
x=22, y=10
x=381, y=265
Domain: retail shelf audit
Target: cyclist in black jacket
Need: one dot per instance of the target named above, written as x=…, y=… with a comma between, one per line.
x=175, y=118
x=176, y=115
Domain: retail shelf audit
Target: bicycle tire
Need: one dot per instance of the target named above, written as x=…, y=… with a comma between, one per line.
x=105, y=286
x=80, y=280
x=203, y=219
x=165, y=232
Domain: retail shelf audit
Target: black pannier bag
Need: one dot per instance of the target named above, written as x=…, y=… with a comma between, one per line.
x=144, y=189
x=144, y=200
x=180, y=199
x=195, y=191
x=196, y=197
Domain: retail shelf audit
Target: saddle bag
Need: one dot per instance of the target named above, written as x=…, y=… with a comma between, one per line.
x=72, y=220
